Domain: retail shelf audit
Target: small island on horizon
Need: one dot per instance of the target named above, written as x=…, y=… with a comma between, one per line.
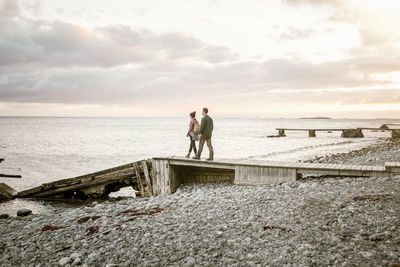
x=316, y=118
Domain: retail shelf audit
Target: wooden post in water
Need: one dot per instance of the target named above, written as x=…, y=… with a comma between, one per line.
x=311, y=133
x=396, y=133
x=281, y=133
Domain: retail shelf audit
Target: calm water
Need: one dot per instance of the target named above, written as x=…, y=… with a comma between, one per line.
x=48, y=149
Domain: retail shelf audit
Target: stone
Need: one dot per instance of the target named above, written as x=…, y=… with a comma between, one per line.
x=4, y=216
x=189, y=262
x=64, y=261
x=303, y=185
x=23, y=212
x=77, y=261
x=74, y=256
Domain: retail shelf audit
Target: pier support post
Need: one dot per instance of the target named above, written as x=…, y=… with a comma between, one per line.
x=396, y=133
x=281, y=133
x=352, y=133
x=311, y=133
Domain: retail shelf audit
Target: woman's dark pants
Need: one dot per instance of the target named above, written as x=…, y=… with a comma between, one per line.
x=192, y=145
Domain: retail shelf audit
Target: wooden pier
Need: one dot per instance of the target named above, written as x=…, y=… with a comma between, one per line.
x=161, y=176
x=171, y=172
x=346, y=133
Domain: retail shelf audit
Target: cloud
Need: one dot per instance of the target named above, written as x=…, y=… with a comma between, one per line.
x=152, y=84
x=8, y=9
x=57, y=62
x=60, y=44
x=315, y=2
x=295, y=34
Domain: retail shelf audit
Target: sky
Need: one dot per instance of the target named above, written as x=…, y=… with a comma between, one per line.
x=135, y=58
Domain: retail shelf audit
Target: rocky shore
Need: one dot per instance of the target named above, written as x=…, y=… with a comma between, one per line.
x=311, y=222
x=377, y=154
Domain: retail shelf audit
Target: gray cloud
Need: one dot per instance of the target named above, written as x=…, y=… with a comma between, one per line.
x=57, y=62
x=59, y=44
x=8, y=8
x=152, y=83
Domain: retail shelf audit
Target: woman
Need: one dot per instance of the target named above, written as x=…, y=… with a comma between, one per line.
x=192, y=134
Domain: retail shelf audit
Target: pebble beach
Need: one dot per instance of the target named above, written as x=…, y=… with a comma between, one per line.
x=345, y=221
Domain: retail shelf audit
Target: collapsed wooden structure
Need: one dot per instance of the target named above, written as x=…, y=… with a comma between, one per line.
x=98, y=184
x=161, y=176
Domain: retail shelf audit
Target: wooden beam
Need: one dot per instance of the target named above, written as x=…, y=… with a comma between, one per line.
x=139, y=180
x=309, y=129
x=147, y=177
x=10, y=175
x=79, y=186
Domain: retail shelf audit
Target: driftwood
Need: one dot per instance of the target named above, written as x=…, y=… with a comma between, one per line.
x=6, y=192
x=10, y=175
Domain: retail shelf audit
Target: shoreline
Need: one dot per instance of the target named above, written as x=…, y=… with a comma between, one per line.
x=386, y=150
x=345, y=221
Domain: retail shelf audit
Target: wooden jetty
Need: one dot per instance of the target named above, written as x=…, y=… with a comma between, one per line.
x=346, y=133
x=161, y=176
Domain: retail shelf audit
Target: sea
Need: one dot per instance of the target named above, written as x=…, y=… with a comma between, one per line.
x=45, y=149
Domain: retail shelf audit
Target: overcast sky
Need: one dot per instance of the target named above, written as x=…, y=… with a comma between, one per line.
x=274, y=58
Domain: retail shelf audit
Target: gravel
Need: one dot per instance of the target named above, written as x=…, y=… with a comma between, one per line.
x=311, y=222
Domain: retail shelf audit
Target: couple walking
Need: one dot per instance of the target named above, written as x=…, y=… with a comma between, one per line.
x=201, y=131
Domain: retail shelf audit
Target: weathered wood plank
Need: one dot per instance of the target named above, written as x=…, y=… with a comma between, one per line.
x=147, y=177
x=10, y=175
x=139, y=180
x=6, y=192
x=60, y=190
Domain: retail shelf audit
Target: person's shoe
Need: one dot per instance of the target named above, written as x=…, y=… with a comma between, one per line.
x=187, y=156
x=210, y=159
x=196, y=157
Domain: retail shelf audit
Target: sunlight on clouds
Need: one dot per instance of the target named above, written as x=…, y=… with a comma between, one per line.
x=156, y=58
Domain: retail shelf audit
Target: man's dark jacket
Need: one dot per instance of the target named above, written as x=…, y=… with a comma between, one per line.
x=206, y=127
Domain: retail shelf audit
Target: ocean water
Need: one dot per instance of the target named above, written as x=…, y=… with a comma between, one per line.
x=44, y=149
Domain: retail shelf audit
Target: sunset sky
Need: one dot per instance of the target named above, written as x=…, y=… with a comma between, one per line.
x=274, y=58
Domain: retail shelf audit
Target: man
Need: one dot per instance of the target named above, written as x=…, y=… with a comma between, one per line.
x=206, y=128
